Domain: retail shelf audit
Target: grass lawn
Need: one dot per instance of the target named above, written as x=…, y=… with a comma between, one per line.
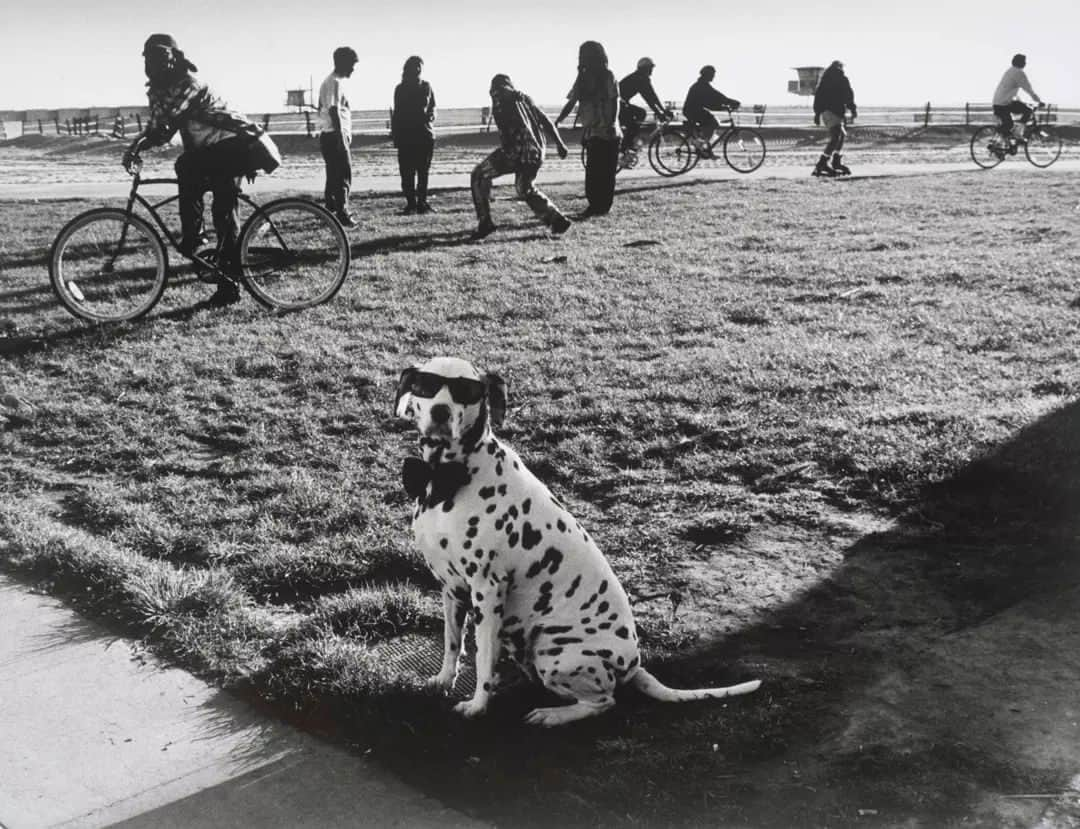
x=817, y=427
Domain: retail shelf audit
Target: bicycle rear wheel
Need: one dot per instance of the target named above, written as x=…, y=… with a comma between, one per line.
x=987, y=147
x=108, y=265
x=1043, y=146
x=744, y=149
x=294, y=254
x=670, y=154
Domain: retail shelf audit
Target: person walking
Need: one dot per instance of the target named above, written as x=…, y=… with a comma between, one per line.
x=597, y=96
x=522, y=128
x=831, y=98
x=1005, y=102
x=221, y=147
x=335, y=135
x=411, y=130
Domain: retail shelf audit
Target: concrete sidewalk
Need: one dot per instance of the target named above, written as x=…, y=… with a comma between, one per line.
x=95, y=732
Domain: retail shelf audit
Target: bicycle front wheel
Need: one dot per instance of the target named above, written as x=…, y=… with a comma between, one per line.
x=744, y=149
x=670, y=153
x=987, y=147
x=108, y=265
x=294, y=254
x=1043, y=147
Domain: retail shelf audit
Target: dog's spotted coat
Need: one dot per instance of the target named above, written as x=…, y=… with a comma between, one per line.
x=507, y=551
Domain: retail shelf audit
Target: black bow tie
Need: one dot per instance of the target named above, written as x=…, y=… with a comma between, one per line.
x=445, y=478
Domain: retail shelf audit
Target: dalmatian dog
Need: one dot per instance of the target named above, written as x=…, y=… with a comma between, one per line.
x=506, y=551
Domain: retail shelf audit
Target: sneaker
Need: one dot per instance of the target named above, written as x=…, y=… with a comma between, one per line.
x=560, y=224
x=346, y=220
x=484, y=229
x=227, y=293
x=200, y=242
x=424, y=208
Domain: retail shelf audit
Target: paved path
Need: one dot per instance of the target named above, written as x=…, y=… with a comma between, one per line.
x=95, y=732
x=566, y=173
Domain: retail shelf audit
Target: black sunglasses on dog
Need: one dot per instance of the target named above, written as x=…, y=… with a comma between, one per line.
x=462, y=389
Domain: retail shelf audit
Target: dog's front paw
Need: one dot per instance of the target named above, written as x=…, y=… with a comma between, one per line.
x=471, y=708
x=443, y=681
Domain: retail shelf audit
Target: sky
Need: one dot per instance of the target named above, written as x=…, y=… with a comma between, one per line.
x=65, y=54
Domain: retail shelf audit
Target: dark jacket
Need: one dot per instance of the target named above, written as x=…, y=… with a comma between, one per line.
x=701, y=96
x=414, y=112
x=834, y=94
x=638, y=83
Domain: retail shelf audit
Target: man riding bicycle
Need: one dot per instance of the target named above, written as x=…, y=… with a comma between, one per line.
x=1005, y=102
x=220, y=147
x=631, y=117
x=700, y=98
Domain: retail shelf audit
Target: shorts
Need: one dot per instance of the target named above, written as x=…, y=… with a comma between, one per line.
x=831, y=119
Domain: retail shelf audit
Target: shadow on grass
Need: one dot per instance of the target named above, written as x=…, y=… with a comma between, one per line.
x=928, y=669
x=884, y=685
x=433, y=241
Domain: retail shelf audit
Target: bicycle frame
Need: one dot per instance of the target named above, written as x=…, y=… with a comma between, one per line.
x=134, y=198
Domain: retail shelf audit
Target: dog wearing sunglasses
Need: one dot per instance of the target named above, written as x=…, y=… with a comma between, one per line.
x=507, y=552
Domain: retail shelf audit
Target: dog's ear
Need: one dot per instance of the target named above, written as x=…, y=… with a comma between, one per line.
x=496, y=397
x=406, y=379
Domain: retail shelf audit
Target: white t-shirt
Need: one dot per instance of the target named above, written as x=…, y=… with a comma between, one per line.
x=1012, y=82
x=332, y=95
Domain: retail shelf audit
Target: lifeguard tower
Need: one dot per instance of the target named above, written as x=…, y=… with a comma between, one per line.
x=299, y=98
x=808, y=80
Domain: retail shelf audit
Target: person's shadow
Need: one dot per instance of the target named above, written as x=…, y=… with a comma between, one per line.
x=936, y=663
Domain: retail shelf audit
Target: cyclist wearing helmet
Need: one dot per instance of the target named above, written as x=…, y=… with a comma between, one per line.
x=1005, y=101
x=700, y=98
x=218, y=150
x=638, y=82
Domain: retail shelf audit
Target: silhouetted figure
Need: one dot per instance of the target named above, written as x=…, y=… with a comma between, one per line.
x=410, y=127
x=522, y=129
x=597, y=97
x=832, y=97
x=335, y=134
x=221, y=146
x=702, y=97
x=1005, y=102
x=631, y=117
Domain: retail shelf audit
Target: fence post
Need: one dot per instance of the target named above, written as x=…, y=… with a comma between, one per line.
x=266, y=122
x=40, y=127
x=307, y=119
x=967, y=114
x=926, y=119
x=138, y=122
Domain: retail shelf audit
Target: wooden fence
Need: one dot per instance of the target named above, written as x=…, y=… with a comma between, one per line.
x=127, y=122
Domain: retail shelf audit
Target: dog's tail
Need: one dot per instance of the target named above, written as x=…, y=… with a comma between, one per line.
x=650, y=686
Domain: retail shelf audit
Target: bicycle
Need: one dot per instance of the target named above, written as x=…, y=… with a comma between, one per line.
x=110, y=264
x=677, y=150
x=631, y=156
x=1042, y=145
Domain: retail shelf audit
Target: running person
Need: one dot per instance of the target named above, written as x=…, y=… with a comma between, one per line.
x=522, y=127
x=631, y=117
x=702, y=97
x=218, y=150
x=831, y=99
x=1005, y=102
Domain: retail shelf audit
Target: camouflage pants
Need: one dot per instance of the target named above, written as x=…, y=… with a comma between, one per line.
x=498, y=164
